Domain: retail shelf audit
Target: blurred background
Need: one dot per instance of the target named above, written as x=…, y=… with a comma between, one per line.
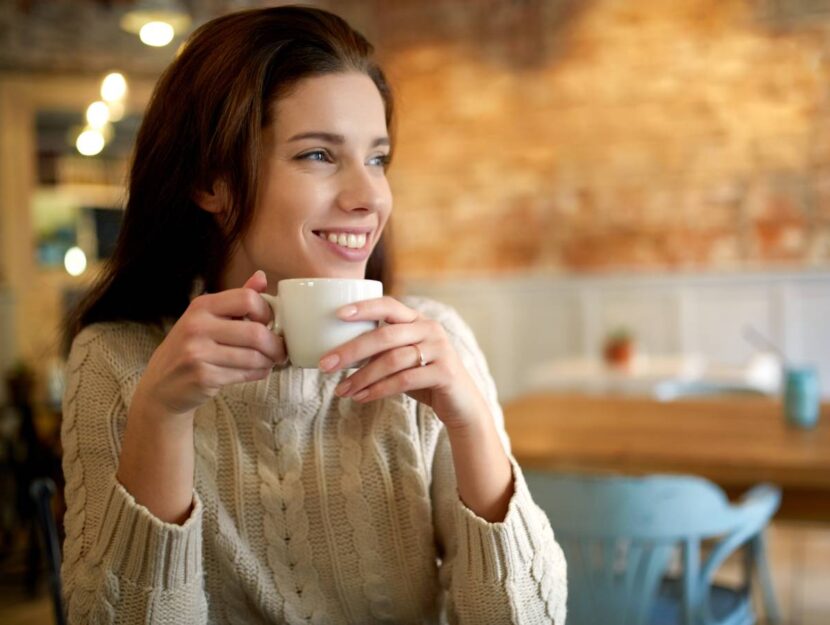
x=625, y=199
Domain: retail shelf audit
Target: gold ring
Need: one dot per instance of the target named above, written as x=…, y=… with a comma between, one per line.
x=421, y=361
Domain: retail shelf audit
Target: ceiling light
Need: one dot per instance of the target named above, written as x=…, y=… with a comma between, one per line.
x=97, y=114
x=74, y=261
x=116, y=110
x=90, y=142
x=156, y=34
x=113, y=87
x=169, y=13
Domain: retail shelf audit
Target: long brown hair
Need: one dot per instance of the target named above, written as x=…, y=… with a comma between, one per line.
x=204, y=123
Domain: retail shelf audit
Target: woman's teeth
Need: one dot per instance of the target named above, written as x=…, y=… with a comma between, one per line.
x=353, y=241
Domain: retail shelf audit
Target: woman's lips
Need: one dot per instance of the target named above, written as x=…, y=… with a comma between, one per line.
x=353, y=244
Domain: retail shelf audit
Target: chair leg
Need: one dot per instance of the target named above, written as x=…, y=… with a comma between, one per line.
x=42, y=491
x=771, y=611
x=34, y=558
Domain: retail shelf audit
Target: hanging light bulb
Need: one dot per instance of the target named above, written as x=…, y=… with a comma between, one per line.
x=114, y=87
x=97, y=114
x=156, y=34
x=156, y=22
x=116, y=110
x=90, y=142
x=74, y=261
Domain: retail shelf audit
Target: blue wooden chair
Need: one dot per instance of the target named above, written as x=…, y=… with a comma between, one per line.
x=619, y=535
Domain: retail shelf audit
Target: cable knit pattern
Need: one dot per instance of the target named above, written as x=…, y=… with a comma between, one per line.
x=547, y=559
x=413, y=476
x=307, y=507
x=95, y=591
x=94, y=601
x=75, y=490
x=286, y=523
x=235, y=603
x=349, y=434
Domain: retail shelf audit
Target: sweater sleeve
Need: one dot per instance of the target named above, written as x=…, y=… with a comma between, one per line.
x=512, y=571
x=121, y=564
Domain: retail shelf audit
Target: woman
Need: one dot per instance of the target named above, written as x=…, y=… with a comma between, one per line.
x=208, y=482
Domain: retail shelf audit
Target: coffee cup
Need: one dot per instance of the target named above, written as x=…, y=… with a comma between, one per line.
x=802, y=396
x=305, y=314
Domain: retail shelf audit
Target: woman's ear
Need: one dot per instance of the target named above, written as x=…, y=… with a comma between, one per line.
x=214, y=201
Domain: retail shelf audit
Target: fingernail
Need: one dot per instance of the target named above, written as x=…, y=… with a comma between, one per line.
x=343, y=387
x=329, y=362
x=347, y=311
x=361, y=395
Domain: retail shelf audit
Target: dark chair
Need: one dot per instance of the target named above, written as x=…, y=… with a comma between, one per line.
x=42, y=492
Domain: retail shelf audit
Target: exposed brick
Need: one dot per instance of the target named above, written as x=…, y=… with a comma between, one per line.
x=651, y=134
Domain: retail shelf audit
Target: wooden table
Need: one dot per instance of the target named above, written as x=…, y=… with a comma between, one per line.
x=735, y=442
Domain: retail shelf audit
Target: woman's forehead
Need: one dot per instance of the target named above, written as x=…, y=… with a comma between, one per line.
x=347, y=104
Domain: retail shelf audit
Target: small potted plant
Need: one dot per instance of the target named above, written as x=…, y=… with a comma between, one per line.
x=618, y=348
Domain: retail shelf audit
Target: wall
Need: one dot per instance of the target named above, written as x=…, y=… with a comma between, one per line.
x=525, y=323
x=607, y=134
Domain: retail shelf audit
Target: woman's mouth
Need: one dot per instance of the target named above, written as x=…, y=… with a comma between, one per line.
x=350, y=246
x=348, y=240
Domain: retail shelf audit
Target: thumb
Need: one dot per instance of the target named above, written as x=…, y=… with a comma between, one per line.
x=258, y=282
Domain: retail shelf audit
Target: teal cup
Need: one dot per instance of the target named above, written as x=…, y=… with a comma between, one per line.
x=802, y=397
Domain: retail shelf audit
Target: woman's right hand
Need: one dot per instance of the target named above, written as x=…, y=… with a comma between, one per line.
x=222, y=338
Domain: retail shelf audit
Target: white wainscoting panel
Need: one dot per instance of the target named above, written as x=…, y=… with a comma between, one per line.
x=719, y=315
x=522, y=322
x=811, y=329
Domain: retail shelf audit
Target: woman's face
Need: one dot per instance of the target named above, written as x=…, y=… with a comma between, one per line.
x=323, y=197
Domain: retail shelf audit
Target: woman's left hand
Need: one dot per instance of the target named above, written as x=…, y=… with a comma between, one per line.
x=410, y=354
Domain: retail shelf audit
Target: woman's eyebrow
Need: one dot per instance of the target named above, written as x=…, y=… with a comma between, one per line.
x=330, y=137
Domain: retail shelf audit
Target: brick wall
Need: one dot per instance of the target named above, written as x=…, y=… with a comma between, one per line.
x=606, y=134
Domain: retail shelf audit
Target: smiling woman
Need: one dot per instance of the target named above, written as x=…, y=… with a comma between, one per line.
x=208, y=480
x=323, y=173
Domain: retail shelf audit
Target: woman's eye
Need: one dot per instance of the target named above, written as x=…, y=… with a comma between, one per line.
x=316, y=155
x=381, y=160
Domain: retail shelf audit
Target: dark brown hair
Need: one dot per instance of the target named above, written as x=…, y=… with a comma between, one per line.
x=205, y=123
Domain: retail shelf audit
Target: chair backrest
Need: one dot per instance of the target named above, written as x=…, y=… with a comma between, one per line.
x=619, y=535
x=42, y=490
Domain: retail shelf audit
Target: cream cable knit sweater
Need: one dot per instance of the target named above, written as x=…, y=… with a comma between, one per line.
x=308, y=508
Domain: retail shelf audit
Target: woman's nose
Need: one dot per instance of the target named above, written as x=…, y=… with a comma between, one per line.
x=364, y=188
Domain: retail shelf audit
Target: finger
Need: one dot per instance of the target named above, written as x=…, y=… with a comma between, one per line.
x=401, y=382
x=372, y=343
x=236, y=303
x=247, y=334
x=251, y=375
x=223, y=376
x=384, y=365
x=386, y=309
x=258, y=282
x=237, y=358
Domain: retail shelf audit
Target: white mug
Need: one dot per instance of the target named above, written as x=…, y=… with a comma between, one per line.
x=304, y=313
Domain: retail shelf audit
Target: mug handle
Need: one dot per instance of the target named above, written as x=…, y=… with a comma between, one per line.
x=273, y=302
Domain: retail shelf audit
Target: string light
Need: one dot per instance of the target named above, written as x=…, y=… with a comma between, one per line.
x=97, y=114
x=90, y=142
x=92, y=139
x=116, y=110
x=74, y=261
x=114, y=87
